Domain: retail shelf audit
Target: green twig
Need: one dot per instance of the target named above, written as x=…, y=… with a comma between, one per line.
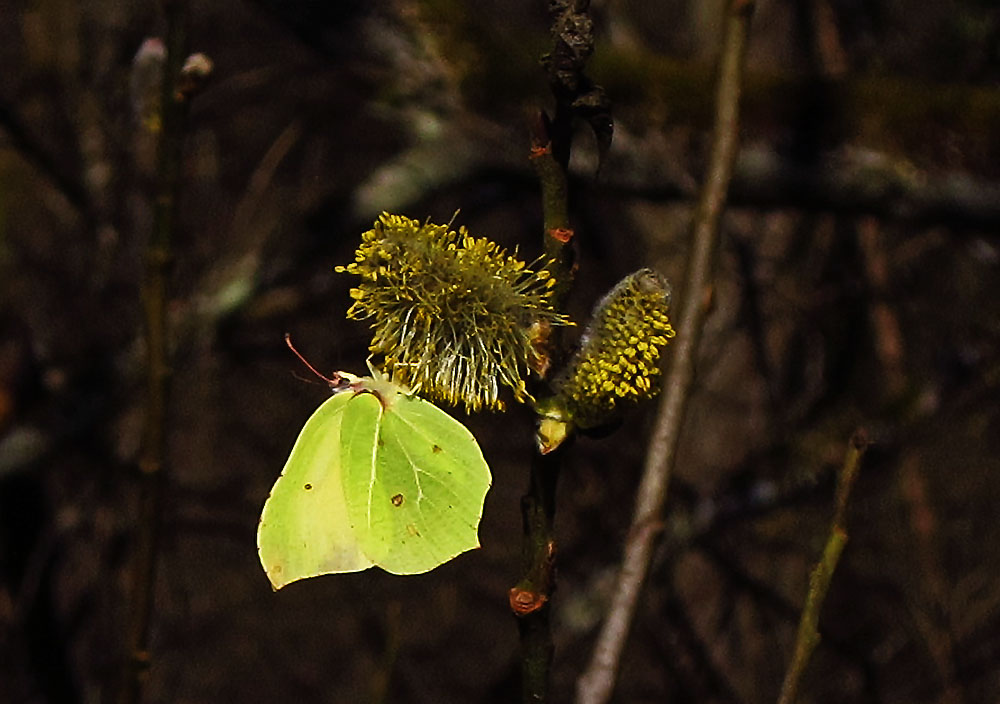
x=597, y=683
x=555, y=206
x=179, y=83
x=819, y=581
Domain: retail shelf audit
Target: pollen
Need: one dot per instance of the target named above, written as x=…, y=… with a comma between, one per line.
x=453, y=316
x=619, y=356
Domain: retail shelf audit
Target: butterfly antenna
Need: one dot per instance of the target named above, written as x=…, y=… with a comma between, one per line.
x=332, y=382
x=304, y=378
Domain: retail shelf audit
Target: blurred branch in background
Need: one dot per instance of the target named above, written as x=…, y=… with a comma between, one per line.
x=847, y=180
x=32, y=150
x=597, y=683
x=182, y=77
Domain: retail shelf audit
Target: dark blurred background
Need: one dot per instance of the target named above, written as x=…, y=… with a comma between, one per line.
x=858, y=284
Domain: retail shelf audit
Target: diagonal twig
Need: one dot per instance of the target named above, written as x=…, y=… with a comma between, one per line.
x=807, y=637
x=34, y=153
x=596, y=684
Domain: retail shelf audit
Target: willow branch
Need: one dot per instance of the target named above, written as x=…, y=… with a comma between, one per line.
x=807, y=637
x=571, y=29
x=153, y=460
x=552, y=177
x=597, y=683
x=529, y=598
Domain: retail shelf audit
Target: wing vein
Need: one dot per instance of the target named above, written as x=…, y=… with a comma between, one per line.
x=373, y=471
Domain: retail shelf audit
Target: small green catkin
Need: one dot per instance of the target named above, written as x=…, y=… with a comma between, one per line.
x=619, y=356
x=452, y=314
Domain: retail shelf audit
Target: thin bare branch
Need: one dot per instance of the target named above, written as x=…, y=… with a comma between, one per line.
x=819, y=581
x=552, y=139
x=597, y=683
x=180, y=80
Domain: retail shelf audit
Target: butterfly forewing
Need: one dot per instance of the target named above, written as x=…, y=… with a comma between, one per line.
x=303, y=530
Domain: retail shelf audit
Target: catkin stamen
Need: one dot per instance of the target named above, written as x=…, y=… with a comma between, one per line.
x=451, y=313
x=619, y=355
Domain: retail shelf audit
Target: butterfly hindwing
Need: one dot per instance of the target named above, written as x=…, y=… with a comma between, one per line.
x=415, y=483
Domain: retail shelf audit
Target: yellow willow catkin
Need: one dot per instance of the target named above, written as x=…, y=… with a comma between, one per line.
x=451, y=314
x=618, y=359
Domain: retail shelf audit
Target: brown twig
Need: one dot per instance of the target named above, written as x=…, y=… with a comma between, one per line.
x=932, y=605
x=551, y=140
x=885, y=324
x=596, y=684
x=529, y=598
x=819, y=580
x=35, y=154
x=153, y=465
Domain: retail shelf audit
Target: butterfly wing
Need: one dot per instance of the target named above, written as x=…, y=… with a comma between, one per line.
x=415, y=481
x=304, y=529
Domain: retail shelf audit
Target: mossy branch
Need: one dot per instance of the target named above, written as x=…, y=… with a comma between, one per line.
x=808, y=637
x=597, y=683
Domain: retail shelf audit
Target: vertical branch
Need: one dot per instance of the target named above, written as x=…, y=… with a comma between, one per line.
x=529, y=599
x=555, y=206
x=179, y=82
x=551, y=139
x=819, y=580
x=530, y=596
x=597, y=683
